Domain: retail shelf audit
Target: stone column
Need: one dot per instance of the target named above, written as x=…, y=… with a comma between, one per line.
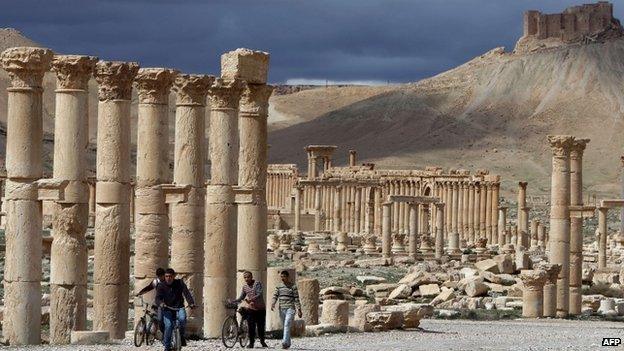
x=502, y=225
x=386, y=238
x=534, y=226
x=24, y=164
x=560, y=217
x=377, y=212
x=454, y=209
x=482, y=209
x=112, y=197
x=357, y=210
x=576, y=226
x=495, y=200
x=220, y=243
x=533, y=293
x=541, y=236
x=252, y=217
x=298, y=198
x=68, y=258
x=413, y=230
x=309, y=296
x=602, y=239
x=471, y=210
x=439, y=238
x=477, y=212
x=317, y=208
x=523, y=227
x=550, y=289
x=151, y=243
x=488, y=212
x=465, y=212
x=187, y=218
x=622, y=196
x=352, y=158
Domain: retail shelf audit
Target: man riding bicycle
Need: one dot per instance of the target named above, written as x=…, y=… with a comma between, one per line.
x=171, y=293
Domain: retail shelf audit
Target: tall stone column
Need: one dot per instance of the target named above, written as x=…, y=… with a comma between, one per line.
x=352, y=158
x=357, y=210
x=298, y=199
x=502, y=225
x=482, y=209
x=534, y=226
x=465, y=211
x=533, y=293
x=560, y=217
x=602, y=239
x=220, y=241
x=68, y=257
x=413, y=229
x=187, y=218
x=495, y=200
x=377, y=211
x=439, y=238
x=471, y=210
x=550, y=289
x=541, y=236
x=454, y=209
x=476, y=212
x=151, y=242
x=112, y=197
x=576, y=226
x=317, y=208
x=523, y=227
x=488, y=212
x=448, y=190
x=24, y=164
x=386, y=238
x=252, y=217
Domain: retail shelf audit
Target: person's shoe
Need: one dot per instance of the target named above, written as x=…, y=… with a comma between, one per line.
x=183, y=343
x=263, y=344
x=285, y=346
x=250, y=346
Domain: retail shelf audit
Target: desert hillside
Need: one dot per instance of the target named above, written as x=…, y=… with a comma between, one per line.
x=493, y=112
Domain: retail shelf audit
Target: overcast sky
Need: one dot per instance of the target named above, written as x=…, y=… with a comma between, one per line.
x=309, y=40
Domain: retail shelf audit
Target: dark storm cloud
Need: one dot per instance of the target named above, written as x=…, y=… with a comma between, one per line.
x=365, y=40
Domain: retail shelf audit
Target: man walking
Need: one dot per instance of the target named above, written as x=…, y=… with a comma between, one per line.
x=287, y=297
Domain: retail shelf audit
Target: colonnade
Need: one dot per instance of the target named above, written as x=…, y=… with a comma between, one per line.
x=200, y=213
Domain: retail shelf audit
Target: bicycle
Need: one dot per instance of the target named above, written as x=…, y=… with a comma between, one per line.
x=232, y=331
x=146, y=328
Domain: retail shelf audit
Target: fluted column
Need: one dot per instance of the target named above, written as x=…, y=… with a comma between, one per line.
x=576, y=226
x=471, y=209
x=68, y=261
x=187, y=221
x=465, y=211
x=502, y=225
x=488, y=212
x=357, y=210
x=151, y=244
x=24, y=164
x=602, y=238
x=482, y=209
x=560, y=217
x=454, y=209
x=377, y=211
x=317, y=208
x=439, y=238
x=112, y=197
x=413, y=230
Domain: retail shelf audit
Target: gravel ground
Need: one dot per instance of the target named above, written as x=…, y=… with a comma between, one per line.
x=436, y=335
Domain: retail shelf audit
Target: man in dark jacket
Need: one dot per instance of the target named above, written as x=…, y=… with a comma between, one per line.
x=170, y=295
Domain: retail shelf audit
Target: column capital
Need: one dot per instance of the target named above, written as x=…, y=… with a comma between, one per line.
x=439, y=205
x=153, y=85
x=552, y=271
x=225, y=94
x=115, y=79
x=254, y=101
x=523, y=185
x=578, y=148
x=533, y=279
x=26, y=65
x=560, y=144
x=191, y=89
x=622, y=160
x=73, y=71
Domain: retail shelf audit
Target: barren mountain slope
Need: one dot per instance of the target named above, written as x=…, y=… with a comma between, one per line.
x=493, y=112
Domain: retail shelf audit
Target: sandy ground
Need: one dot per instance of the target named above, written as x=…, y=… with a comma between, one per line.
x=436, y=335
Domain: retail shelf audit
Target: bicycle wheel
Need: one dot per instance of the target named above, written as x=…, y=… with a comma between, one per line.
x=243, y=333
x=229, y=332
x=139, y=333
x=176, y=341
x=150, y=333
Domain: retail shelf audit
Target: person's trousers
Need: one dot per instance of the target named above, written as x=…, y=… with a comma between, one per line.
x=169, y=320
x=287, y=316
x=257, y=320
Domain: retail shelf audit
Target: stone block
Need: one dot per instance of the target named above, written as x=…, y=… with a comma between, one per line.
x=402, y=291
x=370, y=279
x=412, y=313
x=324, y=328
x=429, y=290
x=444, y=296
x=476, y=288
x=488, y=265
x=248, y=65
x=467, y=272
x=384, y=287
x=505, y=263
x=383, y=321
x=335, y=312
x=497, y=288
x=359, y=316
x=606, y=277
x=88, y=337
